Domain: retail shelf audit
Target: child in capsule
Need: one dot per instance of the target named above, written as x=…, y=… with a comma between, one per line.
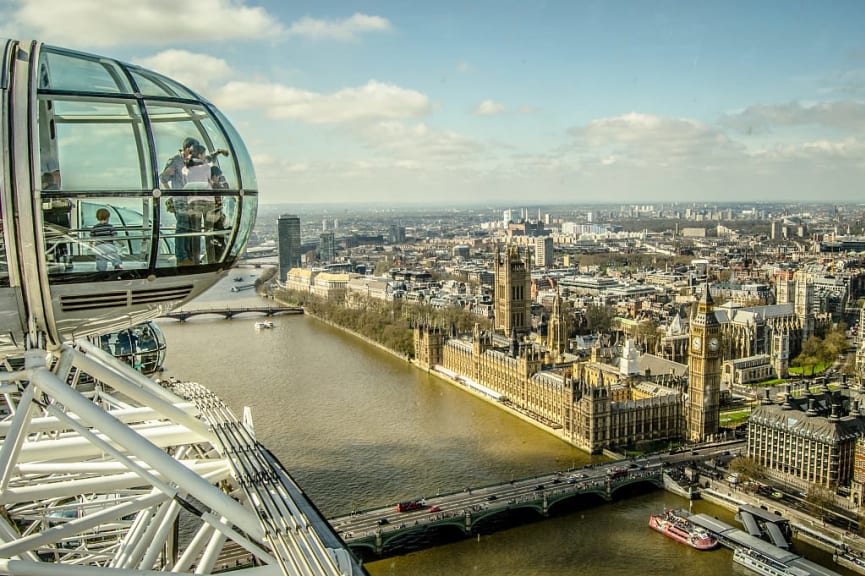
x=105, y=246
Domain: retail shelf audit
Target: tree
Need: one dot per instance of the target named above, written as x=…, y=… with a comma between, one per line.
x=598, y=318
x=818, y=499
x=747, y=468
x=811, y=354
x=647, y=335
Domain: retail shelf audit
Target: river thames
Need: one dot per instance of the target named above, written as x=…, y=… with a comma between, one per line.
x=358, y=428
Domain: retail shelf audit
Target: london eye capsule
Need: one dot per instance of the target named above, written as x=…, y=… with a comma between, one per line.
x=142, y=346
x=122, y=194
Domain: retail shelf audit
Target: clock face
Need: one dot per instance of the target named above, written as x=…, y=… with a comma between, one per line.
x=713, y=344
x=696, y=342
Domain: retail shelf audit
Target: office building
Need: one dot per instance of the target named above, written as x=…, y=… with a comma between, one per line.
x=288, y=231
x=326, y=247
x=544, y=252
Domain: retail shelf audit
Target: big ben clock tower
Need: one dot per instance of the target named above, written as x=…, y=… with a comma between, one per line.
x=704, y=372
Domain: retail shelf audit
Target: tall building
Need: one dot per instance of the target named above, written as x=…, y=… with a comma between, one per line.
x=326, y=247
x=288, y=232
x=396, y=234
x=544, y=252
x=513, y=305
x=704, y=372
x=557, y=330
x=804, y=303
x=785, y=287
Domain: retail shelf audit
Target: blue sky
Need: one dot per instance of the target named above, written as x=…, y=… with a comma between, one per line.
x=508, y=102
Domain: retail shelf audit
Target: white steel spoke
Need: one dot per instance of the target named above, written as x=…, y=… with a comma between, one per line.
x=103, y=471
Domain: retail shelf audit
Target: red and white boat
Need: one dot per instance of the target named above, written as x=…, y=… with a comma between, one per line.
x=675, y=525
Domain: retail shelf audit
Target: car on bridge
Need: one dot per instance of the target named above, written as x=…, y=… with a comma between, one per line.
x=435, y=509
x=492, y=497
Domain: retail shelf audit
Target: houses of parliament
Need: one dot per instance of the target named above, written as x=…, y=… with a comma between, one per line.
x=598, y=403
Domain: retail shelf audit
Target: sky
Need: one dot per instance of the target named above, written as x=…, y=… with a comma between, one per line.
x=499, y=102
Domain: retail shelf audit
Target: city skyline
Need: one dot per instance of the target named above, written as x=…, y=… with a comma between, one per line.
x=552, y=104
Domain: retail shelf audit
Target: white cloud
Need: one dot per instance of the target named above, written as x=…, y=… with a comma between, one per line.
x=845, y=115
x=372, y=101
x=347, y=29
x=850, y=151
x=132, y=22
x=644, y=139
x=489, y=108
x=197, y=71
x=423, y=144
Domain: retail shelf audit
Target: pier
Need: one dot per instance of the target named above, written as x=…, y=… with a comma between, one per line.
x=736, y=539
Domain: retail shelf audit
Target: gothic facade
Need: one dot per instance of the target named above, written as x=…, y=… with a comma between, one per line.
x=704, y=372
x=593, y=405
x=513, y=278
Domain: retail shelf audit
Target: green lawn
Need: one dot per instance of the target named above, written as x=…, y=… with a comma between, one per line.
x=806, y=370
x=734, y=417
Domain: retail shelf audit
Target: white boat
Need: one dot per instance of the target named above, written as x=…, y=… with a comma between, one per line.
x=760, y=564
x=263, y=324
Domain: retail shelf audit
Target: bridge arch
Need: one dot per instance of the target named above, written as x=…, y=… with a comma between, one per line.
x=563, y=503
x=495, y=519
x=420, y=537
x=629, y=484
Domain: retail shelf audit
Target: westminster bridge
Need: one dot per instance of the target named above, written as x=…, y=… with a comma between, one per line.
x=449, y=517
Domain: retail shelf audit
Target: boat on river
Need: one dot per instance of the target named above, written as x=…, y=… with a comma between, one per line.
x=264, y=324
x=761, y=564
x=674, y=524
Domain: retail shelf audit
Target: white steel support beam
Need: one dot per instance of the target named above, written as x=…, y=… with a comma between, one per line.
x=194, y=548
x=146, y=451
x=49, y=424
x=15, y=438
x=87, y=442
x=133, y=536
x=135, y=385
x=75, y=447
x=211, y=553
x=79, y=525
x=22, y=568
x=160, y=535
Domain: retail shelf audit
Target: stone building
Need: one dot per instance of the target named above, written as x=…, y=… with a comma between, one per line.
x=704, y=372
x=593, y=404
x=775, y=330
x=673, y=344
x=808, y=439
x=746, y=370
x=512, y=296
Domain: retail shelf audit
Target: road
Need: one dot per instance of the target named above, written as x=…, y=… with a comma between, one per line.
x=363, y=523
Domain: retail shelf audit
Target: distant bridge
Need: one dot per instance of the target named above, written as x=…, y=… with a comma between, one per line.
x=230, y=312
x=384, y=532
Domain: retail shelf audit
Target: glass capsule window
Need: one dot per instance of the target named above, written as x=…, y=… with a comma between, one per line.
x=136, y=174
x=141, y=346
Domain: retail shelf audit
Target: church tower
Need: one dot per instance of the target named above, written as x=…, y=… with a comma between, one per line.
x=557, y=330
x=513, y=306
x=704, y=372
x=428, y=346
